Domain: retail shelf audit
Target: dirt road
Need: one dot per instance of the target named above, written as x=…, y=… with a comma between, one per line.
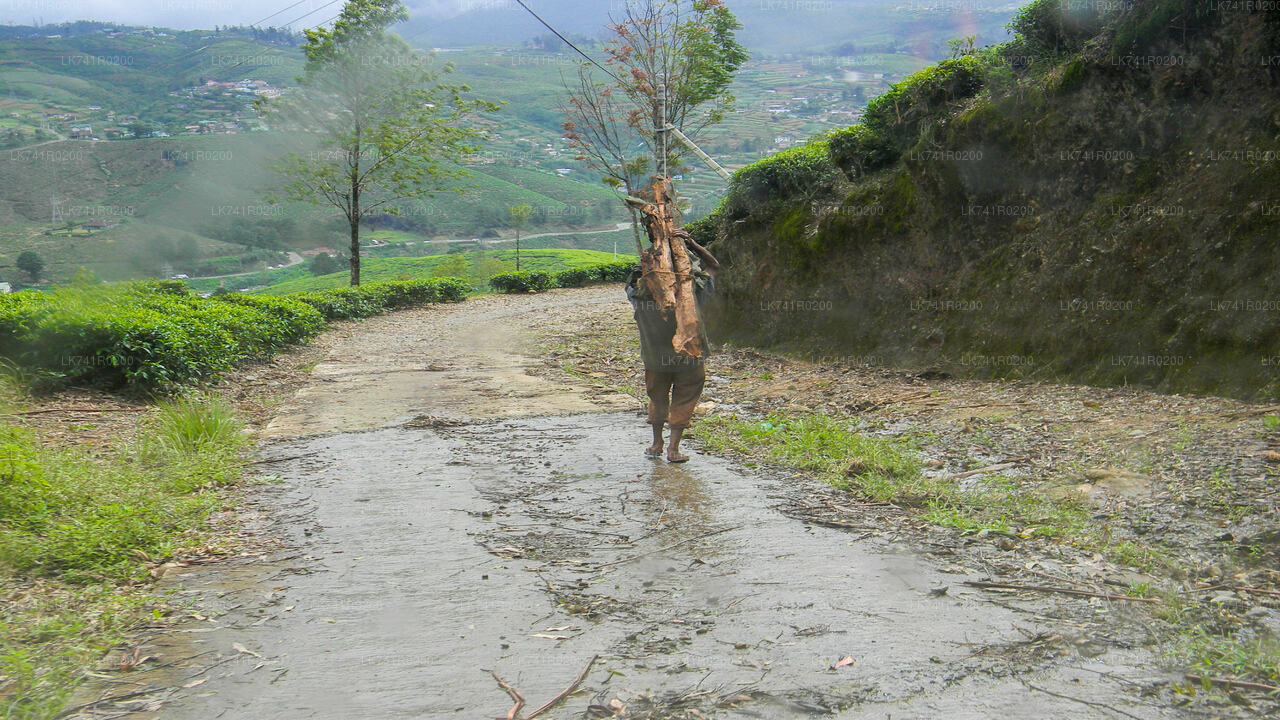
x=447, y=509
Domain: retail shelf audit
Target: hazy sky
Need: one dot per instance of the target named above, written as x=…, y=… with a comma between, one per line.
x=188, y=14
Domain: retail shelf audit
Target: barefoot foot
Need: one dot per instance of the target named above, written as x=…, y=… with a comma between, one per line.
x=674, y=456
x=653, y=450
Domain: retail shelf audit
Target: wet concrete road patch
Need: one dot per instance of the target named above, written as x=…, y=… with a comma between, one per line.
x=425, y=558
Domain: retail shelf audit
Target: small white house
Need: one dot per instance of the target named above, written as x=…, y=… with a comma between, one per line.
x=5, y=287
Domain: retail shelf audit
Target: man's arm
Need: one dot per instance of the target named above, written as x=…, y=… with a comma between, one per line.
x=709, y=262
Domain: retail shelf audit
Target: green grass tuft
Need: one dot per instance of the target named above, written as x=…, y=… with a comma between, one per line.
x=878, y=469
x=187, y=426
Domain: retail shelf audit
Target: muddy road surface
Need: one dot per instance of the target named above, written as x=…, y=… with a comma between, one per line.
x=445, y=517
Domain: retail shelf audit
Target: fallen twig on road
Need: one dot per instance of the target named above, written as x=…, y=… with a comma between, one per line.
x=686, y=541
x=1082, y=701
x=277, y=460
x=1064, y=591
x=566, y=692
x=74, y=410
x=987, y=469
x=1228, y=682
x=514, y=712
x=1260, y=591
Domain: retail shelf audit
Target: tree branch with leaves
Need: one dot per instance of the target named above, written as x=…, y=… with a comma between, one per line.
x=669, y=62
x=377, y=120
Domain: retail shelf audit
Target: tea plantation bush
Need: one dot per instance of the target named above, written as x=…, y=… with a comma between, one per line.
x=798, y=171
x=522, y=282
x=155, y=336
x=893, y=121
x=375, y=298
x=589, y=274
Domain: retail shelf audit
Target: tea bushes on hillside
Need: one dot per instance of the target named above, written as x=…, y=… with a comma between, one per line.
x=522, y=282
x=538, y=281
x=589, y=274
x=893, y=121
x=790, y=173
x=376, y=298
x=295, y=320
x=156, y=336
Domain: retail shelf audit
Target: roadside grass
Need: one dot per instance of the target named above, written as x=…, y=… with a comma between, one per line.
x=882, y=469
x=186, y=425
x=79, y=531
x=1255, y=659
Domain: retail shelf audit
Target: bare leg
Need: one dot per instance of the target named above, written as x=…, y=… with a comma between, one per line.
x=673, y=450
x=655, y=449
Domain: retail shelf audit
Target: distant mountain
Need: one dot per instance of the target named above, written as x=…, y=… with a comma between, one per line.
x=769, y=26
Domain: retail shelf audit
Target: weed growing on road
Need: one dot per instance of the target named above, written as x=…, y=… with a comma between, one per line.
x=881, y=469
x=877, y=469
x=1253, y=660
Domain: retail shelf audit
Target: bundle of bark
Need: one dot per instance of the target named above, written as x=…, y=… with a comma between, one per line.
x=666, y=271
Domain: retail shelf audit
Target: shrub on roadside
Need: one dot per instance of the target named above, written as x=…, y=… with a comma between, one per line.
x=295, y=320
x=537, y=281
x=791, y=173
x=375, y=298
x=893, y=122
x=156, y=336
x=615, y=271
x=576, y=277
x=522, y=282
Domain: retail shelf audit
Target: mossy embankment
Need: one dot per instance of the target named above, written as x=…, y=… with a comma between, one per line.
x=1096, y=201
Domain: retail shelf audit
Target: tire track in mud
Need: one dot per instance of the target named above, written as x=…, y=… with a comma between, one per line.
x=493, y=534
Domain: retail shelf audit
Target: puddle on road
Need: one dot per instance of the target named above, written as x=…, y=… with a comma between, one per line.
x=427, y=558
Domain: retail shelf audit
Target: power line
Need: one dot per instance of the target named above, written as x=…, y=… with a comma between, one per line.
x=277, y=13
x=568, y=42
x=331, y=2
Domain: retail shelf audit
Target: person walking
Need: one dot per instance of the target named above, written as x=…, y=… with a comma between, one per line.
x=672, y=381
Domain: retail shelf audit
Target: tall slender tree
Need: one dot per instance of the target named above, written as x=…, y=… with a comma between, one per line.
x=378, y=123
x=519, y=216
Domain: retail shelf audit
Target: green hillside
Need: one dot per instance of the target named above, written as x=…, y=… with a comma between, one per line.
x=134, y=70
x=1082, y=203
x=204, y=185
x=478, y=267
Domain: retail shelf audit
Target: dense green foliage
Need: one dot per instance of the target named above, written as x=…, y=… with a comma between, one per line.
x=376, y=298
x=894, y=121
x=31, y=263
x=157, y=336
x=538, y=281
x=604, y=272
x=522, y=282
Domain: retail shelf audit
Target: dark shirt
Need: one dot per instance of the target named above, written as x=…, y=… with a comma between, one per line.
x=657, y=332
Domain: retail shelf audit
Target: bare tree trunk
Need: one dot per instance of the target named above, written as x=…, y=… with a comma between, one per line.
x=355, y=252
x=517, y=248
x=353, y=216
